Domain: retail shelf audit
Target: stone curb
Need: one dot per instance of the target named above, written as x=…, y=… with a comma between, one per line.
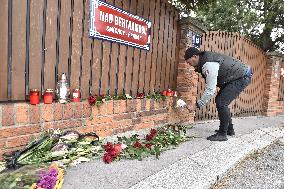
x=203, y=169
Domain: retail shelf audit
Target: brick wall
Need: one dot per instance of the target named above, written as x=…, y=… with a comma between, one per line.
x=272, y=106
x=20, y=122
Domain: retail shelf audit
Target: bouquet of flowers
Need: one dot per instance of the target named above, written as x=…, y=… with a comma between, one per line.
x=50, y=179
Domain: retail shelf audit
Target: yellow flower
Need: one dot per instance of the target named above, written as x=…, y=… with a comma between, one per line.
x=34, y=186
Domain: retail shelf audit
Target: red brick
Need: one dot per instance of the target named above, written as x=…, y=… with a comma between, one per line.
x=77, y=109
x=120, y=124
x=124, y=116
x=95, y=110
x=17, y=131
x=148, y=105
x=34, y=113
x=22, y=113
x=103, y=133
x=159, y=104
x=119, y=106
x=58, y=111
x=144, y=125
x=143, y=104
x=67, y=111
x=101, y=119
x=62, y=125
x=105, y=126
x=84, y=130
x=2, y=143
x=19, y=141
x=136, y=121
x=8, y=115
x=138, y=105
x=152, y=104
x=122, y=130
x=106, y=108
x=47, y=112
x=131, y=105
x=86, y=111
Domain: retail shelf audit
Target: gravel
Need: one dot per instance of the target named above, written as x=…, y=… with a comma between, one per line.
x=262, y=170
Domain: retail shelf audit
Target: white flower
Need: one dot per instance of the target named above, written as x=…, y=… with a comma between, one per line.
x=181, y=103
x=70, y=136
x=96, y=148
x=123, y=146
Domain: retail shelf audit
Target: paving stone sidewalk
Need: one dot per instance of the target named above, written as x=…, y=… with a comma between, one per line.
x=262, y=169
x=194, y=164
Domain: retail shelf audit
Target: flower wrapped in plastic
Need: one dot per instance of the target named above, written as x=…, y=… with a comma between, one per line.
x=51, y=179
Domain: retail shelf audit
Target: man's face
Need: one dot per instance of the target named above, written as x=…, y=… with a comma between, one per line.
x=193, y=61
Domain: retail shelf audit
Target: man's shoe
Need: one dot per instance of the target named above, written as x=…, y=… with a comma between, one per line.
x=217, y=137
x=229, y=132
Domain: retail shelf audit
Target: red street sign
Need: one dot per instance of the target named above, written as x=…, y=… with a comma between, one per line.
x=108, y=22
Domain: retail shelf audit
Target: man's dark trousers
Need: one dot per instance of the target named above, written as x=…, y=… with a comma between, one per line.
x=226, y=95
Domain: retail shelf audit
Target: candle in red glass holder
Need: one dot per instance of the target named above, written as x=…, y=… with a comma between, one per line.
x=34, y=96
x=48, y=96
x=169, y=92
x=164, y=92
x=76, y=95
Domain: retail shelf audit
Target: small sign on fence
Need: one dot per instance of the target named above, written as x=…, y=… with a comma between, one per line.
x=108, y=22
x=196, y=40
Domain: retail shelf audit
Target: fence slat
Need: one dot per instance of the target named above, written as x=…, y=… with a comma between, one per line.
x=130, y=54
x=155, y=47
x=175, y=51
x=4, y=50
x=76, y=44
x=86, y=55
x=113, y=64
x=64, y=50
x=143, y=54
x=121, y=58
x=137, y=54
x=169, y=48
x=160, y=47
x=35, y=48
x=165, y=48
x=50, y=44
x=18, y=49
x=96, y=68
x=149, y=54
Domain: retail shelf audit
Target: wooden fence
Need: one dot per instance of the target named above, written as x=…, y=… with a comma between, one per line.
x=250, y=102
x=40, y=39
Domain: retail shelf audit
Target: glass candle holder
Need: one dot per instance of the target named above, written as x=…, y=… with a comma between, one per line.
x=76, y=95
x=34, y=96
x=48, y=96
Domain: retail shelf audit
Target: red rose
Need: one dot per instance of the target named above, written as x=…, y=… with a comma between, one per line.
x=149, y=137
x=107, y=158
x=140, y=95
x=153, y=132
x=148, y=146
x=108, y=147
x=92, y=99
x=117, y=147
x=137, y=144
x=115, y=151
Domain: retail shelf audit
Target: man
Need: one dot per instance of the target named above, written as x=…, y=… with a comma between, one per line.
x=229, y=74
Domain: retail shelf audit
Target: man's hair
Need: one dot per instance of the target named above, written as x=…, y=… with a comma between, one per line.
x=190, y=52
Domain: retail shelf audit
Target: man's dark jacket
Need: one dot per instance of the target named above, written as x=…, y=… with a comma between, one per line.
x=230, y=68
